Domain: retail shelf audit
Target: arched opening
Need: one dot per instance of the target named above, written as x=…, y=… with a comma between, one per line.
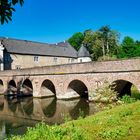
x=48, y=88
x=1, y=87
x=12, y=89
x=26, y=88
x=123, y=87
x=78, y=87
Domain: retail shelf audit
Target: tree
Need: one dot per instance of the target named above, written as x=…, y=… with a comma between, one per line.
x=137, y=46
x=137, y=50
x=97, y=46
x=92, y=43
x=76, y=40
x=104, y=33
x=128, y=47
x=99, y=43
x=7, y=8
x=110, y=40
x=88, y=40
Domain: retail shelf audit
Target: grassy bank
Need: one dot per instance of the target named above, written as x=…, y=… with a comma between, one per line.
x=121, y=122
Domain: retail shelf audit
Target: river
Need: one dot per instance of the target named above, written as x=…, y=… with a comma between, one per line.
x=18, y=114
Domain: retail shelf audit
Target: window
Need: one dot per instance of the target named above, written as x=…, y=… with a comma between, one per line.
x=68, y=60
x=18, y=67
x=35, y=58
x=55, y=59
x=80, y=60
x=72, y=60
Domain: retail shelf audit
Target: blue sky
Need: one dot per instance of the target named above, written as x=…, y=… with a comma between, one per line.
x=56, y=20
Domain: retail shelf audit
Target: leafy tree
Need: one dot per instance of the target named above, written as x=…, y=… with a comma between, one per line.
x=99, y=43
x=88, y=40
x=113, y=42
x=7, y=8
x=128, y=47
x=104, y=33
x=137, y=42
x=76, y=40
x=137, y=50
x=93, y=43
x=110, y=39
x=97, y=46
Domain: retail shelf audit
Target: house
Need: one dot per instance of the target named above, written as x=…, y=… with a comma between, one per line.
x=19, y=54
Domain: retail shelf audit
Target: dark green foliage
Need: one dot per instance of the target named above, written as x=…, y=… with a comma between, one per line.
x=76, y=40
x=137, y=50
x=129, y=48
x=128, y=99
x=7, y=8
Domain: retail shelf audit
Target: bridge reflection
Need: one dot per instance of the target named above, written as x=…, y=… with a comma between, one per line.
x=16, y=114
x=49, y=109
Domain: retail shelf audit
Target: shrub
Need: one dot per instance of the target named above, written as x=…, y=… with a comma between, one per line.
x=106, y=92
x=127, y=99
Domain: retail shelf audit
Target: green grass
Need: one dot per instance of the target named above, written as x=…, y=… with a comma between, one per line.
x=135, y=92
x=120, y=123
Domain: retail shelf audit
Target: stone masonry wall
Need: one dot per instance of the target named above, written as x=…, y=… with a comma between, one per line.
x=105, y=66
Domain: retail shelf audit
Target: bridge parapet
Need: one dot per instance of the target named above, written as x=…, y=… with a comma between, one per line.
x=104, y=66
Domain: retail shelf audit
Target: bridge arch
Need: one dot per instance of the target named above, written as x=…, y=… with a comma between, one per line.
x=48, y=88
x=12, y=87
x=12, y=83
x=1, y=86
x=123, y=87
x=27, y=87
x=78, y=87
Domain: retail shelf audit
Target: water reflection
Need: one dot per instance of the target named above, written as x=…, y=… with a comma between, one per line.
x=1, y=105
x=82, y=108
x=16, y=113
x=12, y=104
x=49, y=107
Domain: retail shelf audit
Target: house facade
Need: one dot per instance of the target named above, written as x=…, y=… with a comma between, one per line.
x=20, y=54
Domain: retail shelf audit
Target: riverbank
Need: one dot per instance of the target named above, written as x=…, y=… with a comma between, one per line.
x=121, y=122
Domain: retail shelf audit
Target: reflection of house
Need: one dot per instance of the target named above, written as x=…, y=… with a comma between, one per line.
x=17, y=54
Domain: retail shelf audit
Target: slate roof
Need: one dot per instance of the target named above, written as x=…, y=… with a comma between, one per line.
x=63, y=49
x=83, y=52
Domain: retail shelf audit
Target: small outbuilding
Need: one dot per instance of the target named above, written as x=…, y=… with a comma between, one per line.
x=83, y=55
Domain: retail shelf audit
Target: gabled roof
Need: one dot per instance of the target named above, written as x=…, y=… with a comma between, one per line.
x=83, y=52
x=35, y=48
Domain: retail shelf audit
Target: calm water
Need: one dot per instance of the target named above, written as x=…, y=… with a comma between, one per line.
x=18, y=114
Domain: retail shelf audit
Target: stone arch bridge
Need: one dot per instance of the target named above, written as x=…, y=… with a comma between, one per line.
x=72, y=80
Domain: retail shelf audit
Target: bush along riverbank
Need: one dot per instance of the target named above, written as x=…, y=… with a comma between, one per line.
x=119, y=123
